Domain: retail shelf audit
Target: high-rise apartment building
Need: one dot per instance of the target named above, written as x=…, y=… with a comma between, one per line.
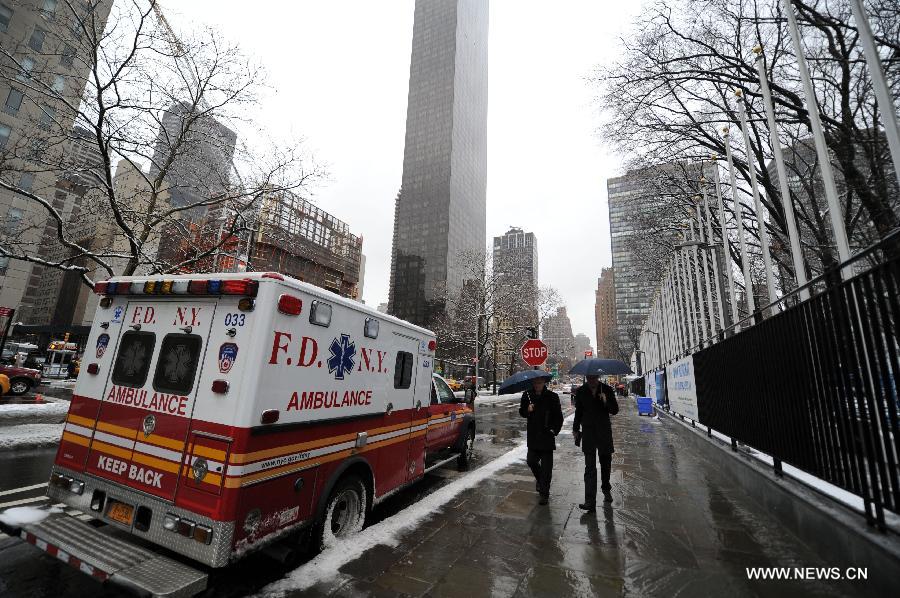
x=440, y=210
x=582, y=345
x=605, y=314
x=641, y=222
x=516, y=255
x=557, y=335
x=43, y=74
x=203, y=163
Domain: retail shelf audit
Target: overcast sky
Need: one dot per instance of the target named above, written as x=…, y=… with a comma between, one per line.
x=341, y=72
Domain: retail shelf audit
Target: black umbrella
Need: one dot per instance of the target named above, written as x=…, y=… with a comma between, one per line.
x=521, y=381
x=600, y=367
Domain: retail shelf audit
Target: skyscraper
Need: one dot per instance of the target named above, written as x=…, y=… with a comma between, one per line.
x=440, y=210
x=643, y=218
x=557, y=335
x=516, y=255
x=605, y=314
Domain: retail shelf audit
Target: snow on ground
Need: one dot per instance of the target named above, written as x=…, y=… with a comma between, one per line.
x=33, y=413
x=18, y=516
x=326, y=564
x=30, y=435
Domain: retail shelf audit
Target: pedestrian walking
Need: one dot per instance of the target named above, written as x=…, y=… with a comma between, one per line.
x=542, y=408
x=594, y=403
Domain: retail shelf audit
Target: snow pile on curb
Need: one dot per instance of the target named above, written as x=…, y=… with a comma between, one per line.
x=326, y=564
x=387, y=533
x=30, y=435
x=50, y=412
x=18, y=516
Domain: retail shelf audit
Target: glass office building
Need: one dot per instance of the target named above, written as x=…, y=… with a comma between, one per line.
x=440, y=210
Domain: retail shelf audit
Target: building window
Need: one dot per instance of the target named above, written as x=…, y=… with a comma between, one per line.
x=27, y=181
x=59, y=83
x=47, y=115
x=27, y=67
x=36, y=42
x=4, y=135
x=13, y=101
x=13, y=217
x=5, y=17
x=67, y=58
x=49, y=9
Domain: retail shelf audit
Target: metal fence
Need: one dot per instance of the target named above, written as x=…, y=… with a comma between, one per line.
x=815, y=386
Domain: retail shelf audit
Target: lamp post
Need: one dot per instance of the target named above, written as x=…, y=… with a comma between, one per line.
x=658, y=350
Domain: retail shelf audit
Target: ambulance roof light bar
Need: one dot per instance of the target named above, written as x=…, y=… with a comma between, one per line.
x=244, y=287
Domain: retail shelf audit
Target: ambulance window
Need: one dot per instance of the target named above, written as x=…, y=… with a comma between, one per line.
x=371, y=328
x=177, y=363
x=403, y=369
x=133, y=359
x=444, y=391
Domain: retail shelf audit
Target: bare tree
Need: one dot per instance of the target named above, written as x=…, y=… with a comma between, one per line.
x=160, y=112
x=672, y=91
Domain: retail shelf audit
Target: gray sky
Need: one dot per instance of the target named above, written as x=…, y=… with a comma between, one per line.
x=340, y=71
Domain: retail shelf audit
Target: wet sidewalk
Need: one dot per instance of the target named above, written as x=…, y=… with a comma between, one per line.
x=677, y=527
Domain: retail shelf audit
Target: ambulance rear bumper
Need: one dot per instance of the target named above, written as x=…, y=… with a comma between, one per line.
x=109, y=555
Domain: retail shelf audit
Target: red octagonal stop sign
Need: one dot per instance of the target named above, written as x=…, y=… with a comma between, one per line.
x=534, y=352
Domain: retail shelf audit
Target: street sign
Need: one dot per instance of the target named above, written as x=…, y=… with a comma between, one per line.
x=6, y=311
x=534, y=352
x=588, y=354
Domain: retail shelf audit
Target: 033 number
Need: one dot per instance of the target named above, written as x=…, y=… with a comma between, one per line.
x=235, y=319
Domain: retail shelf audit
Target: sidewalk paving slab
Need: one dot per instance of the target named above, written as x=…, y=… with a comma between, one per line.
x=677, y=527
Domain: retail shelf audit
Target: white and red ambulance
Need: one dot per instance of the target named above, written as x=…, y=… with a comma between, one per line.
x=216, y=413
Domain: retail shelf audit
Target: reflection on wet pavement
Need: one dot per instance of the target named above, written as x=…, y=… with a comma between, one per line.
x=677, y=527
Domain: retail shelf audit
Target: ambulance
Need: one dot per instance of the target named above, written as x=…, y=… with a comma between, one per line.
x=216, y=414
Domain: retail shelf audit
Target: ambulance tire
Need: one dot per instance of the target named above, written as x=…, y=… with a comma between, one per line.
x=345, y=511
x=468, y=449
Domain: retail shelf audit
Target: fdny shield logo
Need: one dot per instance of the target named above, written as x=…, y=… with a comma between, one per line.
x=342, y=354
x=102, y=344
x=149, y=424
x=227, y=356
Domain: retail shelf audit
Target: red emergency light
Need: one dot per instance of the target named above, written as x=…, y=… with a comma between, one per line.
x=245, y=287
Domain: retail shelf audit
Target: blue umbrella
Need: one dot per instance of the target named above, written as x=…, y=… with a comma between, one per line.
x=600, y=367
x=521, y=381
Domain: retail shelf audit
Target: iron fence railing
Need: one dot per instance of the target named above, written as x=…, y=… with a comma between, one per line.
x=815, y=385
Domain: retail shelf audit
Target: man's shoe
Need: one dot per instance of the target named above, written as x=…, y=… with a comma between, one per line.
x=587, y=507
x=544, y=500
x=607, y=497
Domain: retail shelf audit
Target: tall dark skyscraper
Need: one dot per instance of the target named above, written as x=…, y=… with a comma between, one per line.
x=440, y=210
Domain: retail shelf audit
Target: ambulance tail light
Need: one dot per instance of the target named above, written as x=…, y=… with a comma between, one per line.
x=269, y=416
x=93, y=369
x=220, y=387
x=290, y=305
x=432, y=345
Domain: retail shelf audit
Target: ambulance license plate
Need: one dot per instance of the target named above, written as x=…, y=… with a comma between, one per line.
x=119, y=511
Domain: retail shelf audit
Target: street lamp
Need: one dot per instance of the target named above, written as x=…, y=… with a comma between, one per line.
x=658, y=350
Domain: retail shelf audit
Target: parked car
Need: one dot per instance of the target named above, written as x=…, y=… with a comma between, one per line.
x=21, y=380
x=455, y=385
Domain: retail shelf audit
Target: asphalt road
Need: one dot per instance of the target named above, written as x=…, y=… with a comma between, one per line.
x=27, y=571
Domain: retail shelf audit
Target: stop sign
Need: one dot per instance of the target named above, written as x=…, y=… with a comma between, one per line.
x=534, y=352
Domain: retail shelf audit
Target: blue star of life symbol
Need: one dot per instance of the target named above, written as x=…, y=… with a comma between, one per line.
x=342, y=353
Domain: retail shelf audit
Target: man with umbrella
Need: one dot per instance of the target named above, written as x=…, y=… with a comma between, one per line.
x=594, y=403
x=541, y=406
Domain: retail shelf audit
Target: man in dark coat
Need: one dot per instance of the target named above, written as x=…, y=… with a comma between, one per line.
x=541, y=406
x=594, y=403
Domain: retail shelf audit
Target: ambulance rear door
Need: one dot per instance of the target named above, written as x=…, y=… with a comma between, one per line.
x=147, y=402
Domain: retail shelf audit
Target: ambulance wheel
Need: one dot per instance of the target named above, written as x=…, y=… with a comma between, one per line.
x=462, y=461
x=345, y=513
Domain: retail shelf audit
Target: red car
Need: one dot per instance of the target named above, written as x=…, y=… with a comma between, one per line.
x=21, y=380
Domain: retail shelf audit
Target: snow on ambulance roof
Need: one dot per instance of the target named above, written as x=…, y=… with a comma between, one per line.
x=306, y=287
